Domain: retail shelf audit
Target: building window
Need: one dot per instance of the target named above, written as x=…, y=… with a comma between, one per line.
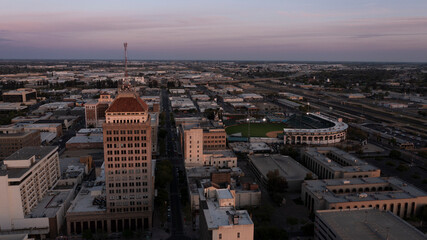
x=238, y=235
x=220, y=236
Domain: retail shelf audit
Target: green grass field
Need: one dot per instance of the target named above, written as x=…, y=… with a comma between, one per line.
x=257, y=129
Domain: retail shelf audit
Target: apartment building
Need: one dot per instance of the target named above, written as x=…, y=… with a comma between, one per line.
x=26, y=176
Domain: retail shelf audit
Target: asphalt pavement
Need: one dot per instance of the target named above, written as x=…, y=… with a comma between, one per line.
x=177, y=229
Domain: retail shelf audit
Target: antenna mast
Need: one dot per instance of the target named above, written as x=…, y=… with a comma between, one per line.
x=126, y=60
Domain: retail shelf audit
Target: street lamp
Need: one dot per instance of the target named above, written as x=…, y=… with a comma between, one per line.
x=249, y=129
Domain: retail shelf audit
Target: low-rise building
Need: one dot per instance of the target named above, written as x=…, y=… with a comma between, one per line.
x=291, y=170
x=11, y=140
x=355, y=224
x=390, y=194
x=21, y=95
x=220, y=220
x=224, y=158
x=331, y=162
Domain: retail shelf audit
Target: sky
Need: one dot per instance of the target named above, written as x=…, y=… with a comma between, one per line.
x=277, y=30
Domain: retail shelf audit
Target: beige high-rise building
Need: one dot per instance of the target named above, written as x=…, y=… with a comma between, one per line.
x=129, y=177
x=198, y=141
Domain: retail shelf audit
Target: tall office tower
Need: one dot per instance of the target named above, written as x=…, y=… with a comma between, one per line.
x=128, y=164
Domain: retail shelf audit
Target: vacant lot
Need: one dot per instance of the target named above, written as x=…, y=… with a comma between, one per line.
x=256, y=129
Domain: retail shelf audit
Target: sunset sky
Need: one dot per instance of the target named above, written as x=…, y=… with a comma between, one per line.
x=326, y=30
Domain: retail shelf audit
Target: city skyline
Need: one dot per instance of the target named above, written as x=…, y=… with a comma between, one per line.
x=191, y=30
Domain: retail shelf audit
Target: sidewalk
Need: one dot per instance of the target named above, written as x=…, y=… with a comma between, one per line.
x=159, y=232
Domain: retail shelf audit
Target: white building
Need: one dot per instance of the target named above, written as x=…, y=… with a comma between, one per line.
x=25, y=179
x=220, y=220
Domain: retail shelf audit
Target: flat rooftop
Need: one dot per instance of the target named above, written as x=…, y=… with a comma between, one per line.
x=86, y=139
x=287, y=166
x=217, y=216
x=221, y=153
x=27, y=152
x=356, y=165
x=372, y=224
x=397, y=189
x=50, y=204
x=84, y=200
x=224, y=194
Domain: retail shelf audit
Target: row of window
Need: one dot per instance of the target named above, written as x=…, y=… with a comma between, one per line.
x=121, y=152
x=115, y=132
x=123, y=145
x=124, y=139
x=130, y=158
x=125, y=165
x=132, y=209
x=130, y=184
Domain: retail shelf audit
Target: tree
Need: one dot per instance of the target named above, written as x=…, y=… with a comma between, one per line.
x=276, y=186
x=87, y=234
x=270, y=232
x=289, y=151
x=395, y=154
x=308, y=176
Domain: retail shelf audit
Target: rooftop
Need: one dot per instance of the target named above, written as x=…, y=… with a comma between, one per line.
x=84, y=201
x=217, y=216
x=354, y=164
x=287, y=166
x=50, y=204
x=318, y=123
x=224, y=194
x=385, y=189
x=27, y=152
x=370, y=224
x=86, y=139
x=128, y=103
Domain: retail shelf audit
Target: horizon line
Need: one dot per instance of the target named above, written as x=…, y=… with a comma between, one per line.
x=216, y=60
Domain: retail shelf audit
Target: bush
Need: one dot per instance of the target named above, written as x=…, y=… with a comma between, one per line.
x=270, y=232
x=402, y=168
x=292, y=221
x=395, y=154
x=308, y=229
x=390, y=163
